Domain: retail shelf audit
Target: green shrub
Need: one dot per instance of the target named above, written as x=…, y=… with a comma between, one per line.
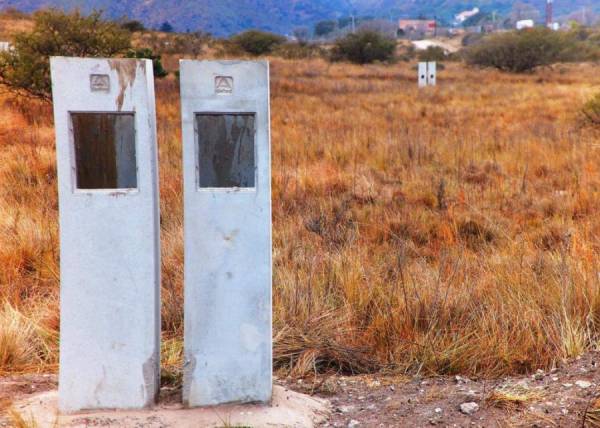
x=145, y=53
x=364, y=47
x=591, y=111
x=300, y=50
x=166, y=27
x=432, y=53
x=133, y=26
x=472, y=39
x=322, y=28
x=26, y=68
x=256, y=42
x=522, y=51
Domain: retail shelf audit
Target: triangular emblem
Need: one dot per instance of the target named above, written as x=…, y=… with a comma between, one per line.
x=224, y=84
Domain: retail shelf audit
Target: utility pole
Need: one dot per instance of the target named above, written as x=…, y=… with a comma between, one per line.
x=549, y=13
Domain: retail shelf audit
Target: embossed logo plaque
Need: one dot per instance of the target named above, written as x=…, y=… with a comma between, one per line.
x=224, y=85
x=99, y=82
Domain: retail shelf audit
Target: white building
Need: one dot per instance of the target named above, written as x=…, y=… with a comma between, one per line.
x=525, y=23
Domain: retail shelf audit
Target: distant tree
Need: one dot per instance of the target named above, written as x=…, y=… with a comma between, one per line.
x=145, y=53
x=345, y=22
x=322, y=28
x=165, y=27
x=301, y=34
x=432, y=53
x=26, y=68
x=364, y=47
x=133, y=26
x=257, y=42
x=521, y=51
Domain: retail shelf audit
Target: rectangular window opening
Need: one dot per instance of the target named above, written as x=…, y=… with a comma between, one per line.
x=226, y=156
x=105, y=156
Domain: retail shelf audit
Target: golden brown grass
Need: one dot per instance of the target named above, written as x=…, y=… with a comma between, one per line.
x=514, y=396
x=11, y=22
x=451, y=230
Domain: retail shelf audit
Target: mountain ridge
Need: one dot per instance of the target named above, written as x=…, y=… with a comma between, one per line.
x=225, y=17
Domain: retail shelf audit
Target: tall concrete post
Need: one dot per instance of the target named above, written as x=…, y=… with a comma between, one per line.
x=422, y=76
x=227, y=199
x=432, y=73
x=427, y=74
x=104, y=116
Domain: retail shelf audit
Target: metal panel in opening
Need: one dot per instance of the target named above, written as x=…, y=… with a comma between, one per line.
x=105, y=156
x=226, y=149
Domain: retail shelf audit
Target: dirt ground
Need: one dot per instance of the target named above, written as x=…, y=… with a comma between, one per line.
x=566, y=396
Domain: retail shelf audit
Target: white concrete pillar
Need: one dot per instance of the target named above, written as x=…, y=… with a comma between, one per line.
x=431, y=73
x=422, y=76
x=227, y=198
x=106, y=151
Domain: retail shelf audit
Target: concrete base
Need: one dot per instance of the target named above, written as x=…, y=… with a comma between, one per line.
x=288, y=409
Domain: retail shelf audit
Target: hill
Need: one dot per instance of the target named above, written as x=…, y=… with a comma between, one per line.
x=224, y=17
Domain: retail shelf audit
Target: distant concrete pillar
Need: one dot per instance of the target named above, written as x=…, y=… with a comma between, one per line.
x=227, y=198
x=105, y=124
x=427, y=74
x=431, y=73
x=422, y=76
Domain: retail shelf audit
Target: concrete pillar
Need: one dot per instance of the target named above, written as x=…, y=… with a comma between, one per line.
x=106, y=151
x=431, y=73
x=227, y=198
x=422, y=76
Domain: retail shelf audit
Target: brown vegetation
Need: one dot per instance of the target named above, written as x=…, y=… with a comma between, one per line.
x=451, y=230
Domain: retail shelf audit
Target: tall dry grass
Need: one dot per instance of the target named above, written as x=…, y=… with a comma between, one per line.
x=448, y=230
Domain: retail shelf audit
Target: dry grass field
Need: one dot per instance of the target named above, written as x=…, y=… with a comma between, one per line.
x=448, y=230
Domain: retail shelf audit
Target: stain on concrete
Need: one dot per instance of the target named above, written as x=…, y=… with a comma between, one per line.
x=230, y=237
x=151, y=375
x=189, y=366
x=126, y=71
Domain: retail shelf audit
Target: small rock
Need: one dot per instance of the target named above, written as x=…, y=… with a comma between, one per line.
x=554, y=379
x=469, y=408
x=583, y=384
x=345, y=409
x=564, y=411
x=392, y=388
x=539, y=375
x=353, y=423
x=567, y=385
x=438, y=410
x=371, y=407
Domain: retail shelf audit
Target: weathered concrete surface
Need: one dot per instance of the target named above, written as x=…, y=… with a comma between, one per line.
x=422, y=74
x=228, y=337
x=431, y=73
x=427, y=74
x=109, y=256
x=289, y=409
